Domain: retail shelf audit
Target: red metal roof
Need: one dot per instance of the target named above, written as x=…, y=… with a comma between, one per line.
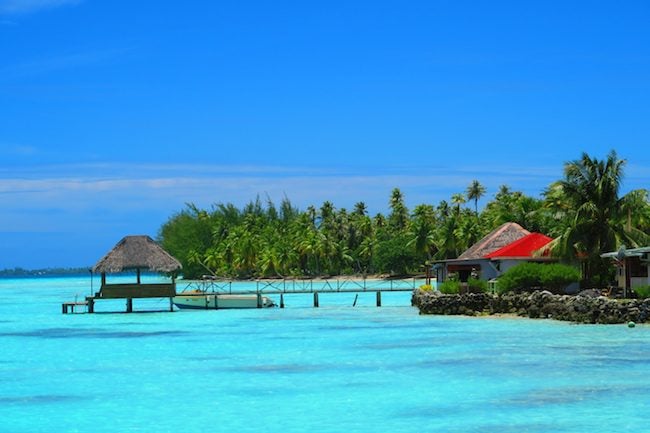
x=523, y=247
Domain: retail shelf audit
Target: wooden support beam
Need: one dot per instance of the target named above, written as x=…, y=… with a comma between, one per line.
x=281, y=300
x=316, y=305
x=259, y=300
x=129, y=305
x=379, y=299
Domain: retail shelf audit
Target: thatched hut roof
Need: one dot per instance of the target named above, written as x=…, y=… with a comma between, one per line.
x=500, y=237
x=137, y=252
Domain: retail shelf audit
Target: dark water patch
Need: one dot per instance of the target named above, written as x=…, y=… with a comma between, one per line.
x=572, y=395
x=397, y=345
x=536, y=427
x=208, y=358
x=354, y=325
x=55, y=333
x=456, y=412
x=40, y=399
x=280, y=368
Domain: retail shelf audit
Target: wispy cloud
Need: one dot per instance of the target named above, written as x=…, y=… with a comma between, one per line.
x=169, y=186
x=31, y=6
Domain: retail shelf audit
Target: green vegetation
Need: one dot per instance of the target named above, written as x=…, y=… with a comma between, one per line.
x=48, y=272
x=591, y=217
x=450, y=287
x=642, y=292
x=583, y=211
x=553, y=277
x=474, y=285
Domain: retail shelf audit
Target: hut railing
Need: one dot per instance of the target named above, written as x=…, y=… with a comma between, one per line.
x=157, y=290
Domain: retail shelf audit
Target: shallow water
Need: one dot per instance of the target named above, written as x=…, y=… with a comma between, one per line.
x=329, y=369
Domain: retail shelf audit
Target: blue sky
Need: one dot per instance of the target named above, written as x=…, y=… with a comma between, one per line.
x=115, y=114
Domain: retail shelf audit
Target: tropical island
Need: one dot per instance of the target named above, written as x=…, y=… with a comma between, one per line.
x=583, y=213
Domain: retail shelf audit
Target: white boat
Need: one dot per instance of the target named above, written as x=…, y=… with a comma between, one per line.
x=215, y=301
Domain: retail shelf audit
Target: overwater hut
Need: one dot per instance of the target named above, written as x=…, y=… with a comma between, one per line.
x=505, y=247
x=136, y=253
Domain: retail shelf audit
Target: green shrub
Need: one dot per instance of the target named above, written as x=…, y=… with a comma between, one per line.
x=477, y=286
x=450, y=287
x=642, y=292
x=555, y=277
x=531, y=276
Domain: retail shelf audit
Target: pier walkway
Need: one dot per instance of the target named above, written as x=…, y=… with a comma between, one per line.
x=304, y=286
x=214, y=286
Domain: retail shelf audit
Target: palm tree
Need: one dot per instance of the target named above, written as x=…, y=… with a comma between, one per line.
x=458, y=199
x=398, y=217
x=422, y=230
x=596, y=215
x=474, y=192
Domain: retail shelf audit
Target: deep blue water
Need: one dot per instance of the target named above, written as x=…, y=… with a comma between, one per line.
x=331, y=369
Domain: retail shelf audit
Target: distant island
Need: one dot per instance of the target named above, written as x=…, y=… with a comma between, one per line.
x=48, y=272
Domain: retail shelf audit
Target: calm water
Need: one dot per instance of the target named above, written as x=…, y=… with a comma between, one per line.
x=332, y=369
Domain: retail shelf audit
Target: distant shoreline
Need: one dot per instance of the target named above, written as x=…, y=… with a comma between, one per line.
x=65, y=272
x=47, y=272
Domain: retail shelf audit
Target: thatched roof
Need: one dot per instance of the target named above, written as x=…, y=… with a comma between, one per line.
x=137, y=252
x=499, y=238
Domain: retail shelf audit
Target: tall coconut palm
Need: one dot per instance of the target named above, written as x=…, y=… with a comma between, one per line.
x=458, y=199
x=398, y=218
x=596, y=214
x=474, y=192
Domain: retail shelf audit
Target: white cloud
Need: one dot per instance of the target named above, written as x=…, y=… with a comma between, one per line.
x=30, y=6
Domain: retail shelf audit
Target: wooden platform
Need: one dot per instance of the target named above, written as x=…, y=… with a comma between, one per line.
x=68, y=307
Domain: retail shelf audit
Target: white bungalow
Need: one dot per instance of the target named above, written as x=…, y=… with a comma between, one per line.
x=505, y=247
x=632, y=266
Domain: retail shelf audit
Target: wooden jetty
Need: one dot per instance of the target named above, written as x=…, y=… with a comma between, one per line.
x=143, y=253
x=314, y=287
x=260, y=288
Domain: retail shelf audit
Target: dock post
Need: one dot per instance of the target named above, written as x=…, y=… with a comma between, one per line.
x=171, y=305
x=129, y=305
x=281, y=300
x=259, y=300
x=379, y=299
x=316, y=300
x=64, y=308
x=91, y=305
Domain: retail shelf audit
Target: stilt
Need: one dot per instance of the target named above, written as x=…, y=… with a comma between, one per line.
x=259, y=300
x=354, y=304
x=129, y=305
x=171, y=305
x=91, y=305
x=379, y=299
x=316, y=300
x=281, y=300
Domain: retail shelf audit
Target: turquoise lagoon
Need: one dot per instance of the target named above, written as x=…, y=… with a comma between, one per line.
x=336, y=368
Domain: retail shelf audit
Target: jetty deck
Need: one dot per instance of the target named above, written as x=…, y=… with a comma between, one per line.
x=310, y=286
x=259, y=287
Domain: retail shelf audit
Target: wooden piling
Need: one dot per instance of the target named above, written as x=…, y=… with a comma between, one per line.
x=281, y=300
x=379, y=299
x=259, y=300
x=316, y=300
x=129, y=305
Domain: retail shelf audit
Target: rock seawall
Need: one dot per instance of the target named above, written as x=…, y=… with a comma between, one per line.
x=582, y=308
